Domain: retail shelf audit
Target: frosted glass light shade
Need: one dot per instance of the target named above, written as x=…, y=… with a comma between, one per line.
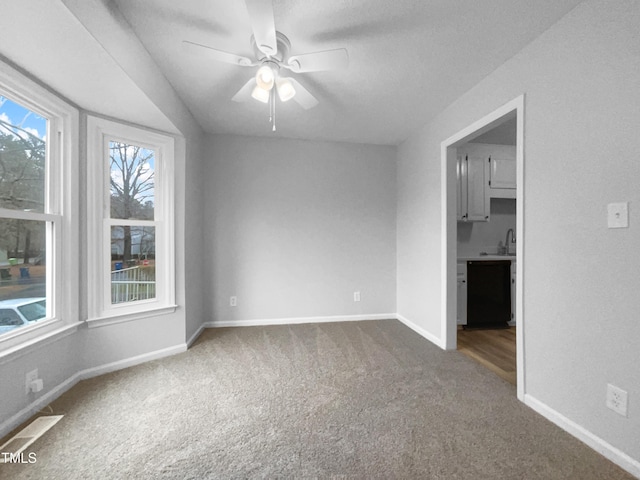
x=286, y=91
x=265, y=77
x=260, y=94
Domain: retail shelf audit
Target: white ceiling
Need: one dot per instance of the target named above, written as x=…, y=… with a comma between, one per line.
x=409, y=59
x=43, y=38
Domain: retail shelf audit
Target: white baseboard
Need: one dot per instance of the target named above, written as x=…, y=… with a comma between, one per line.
x=615, y=455
x=335, y=318
x=195, y=336
x=598, y=444
x=27, y=412
x=421, y=331
x=298, y=320
x=132, y=361
x=38, y=404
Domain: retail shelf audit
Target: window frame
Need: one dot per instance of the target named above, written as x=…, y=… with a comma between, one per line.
x=100, y=132
x=61, y=209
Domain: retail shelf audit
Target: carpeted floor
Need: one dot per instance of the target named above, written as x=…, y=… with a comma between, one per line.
x=336, y=400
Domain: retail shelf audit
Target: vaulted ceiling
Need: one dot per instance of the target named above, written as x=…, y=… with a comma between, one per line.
x=408, y=59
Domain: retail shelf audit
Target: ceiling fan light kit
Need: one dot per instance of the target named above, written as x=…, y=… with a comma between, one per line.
x=286, y=91
x=265, y=77
x=271, y=49
x=260, y=94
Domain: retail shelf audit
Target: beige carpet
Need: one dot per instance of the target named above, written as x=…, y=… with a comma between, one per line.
x=342, y=400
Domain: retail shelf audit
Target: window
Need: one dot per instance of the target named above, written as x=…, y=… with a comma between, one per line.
x=130, y=212
x=38, y=211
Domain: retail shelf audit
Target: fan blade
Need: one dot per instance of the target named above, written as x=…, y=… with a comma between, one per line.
x=244, y=93
x=218, y=55
x=303, y=97
x=320, y=61
x=263, y=25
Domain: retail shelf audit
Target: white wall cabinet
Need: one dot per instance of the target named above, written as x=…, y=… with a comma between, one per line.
x=502, y=176
x=473, y=188
x=497, y=164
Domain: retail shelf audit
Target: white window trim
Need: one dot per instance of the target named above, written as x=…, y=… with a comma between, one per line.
x=100, y=309
x=62, y=207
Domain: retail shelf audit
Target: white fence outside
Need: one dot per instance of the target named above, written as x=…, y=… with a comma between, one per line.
x=132, y=284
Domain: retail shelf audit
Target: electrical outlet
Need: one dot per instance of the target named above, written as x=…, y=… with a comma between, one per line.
x=30, y=377
x=618, y=215
x=356, y=296
x=617, y=399
x=233, y=301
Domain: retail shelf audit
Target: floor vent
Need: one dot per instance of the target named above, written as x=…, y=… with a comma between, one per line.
x=29, y=434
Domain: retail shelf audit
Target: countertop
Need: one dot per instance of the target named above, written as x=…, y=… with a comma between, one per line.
x=465, y=258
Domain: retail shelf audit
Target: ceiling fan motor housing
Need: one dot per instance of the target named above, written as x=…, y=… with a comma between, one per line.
x=284, y=45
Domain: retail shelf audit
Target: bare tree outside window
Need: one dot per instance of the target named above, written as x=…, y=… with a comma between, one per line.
x=132, y=181
x=132, y=186
x=132, y=191
x=23, y=238
x=22, y=179
x=130, y=214
x=22, y=168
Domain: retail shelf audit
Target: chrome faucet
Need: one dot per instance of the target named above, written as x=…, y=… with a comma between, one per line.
x=506, y=241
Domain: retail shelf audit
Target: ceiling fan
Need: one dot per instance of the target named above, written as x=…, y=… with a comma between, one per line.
x=271, y=50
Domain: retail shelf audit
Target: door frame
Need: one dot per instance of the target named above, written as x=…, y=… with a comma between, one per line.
x=514, y=108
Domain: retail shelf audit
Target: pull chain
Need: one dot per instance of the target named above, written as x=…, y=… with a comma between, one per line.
x=272, y=110
x=273, y=118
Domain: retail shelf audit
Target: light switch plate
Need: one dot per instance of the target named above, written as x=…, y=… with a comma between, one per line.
x=618, y=215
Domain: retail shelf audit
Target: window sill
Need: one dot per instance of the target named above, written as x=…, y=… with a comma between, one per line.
x=129, y=317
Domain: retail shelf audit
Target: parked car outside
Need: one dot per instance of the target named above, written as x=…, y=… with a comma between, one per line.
x=19, y=312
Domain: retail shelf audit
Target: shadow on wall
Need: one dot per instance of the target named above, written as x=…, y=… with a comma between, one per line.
x=482, y=234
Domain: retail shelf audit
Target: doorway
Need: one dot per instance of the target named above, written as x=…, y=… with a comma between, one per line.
x=484, y=128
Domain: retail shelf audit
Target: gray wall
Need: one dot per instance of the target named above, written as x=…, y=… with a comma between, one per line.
x=194, y=232
x=581, y=305
x=294, y=227
x=56, y=363
x=93, y=350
